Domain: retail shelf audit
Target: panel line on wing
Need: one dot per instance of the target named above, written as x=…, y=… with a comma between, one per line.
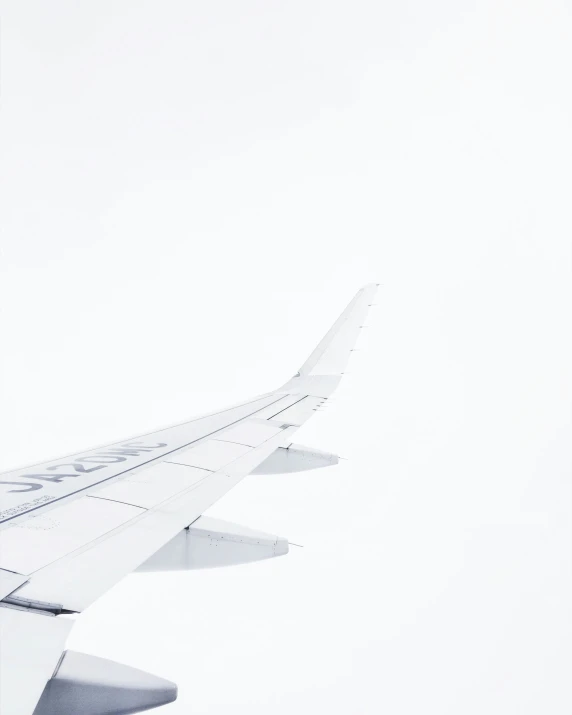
x=193, y=466
x=287, y=407
x=157, y=459
x=117, y=501
x=233, y=441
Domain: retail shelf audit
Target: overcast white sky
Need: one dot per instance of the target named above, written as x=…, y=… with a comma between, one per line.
x=190, y=193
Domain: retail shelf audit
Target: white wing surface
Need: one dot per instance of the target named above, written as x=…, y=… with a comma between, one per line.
x=71, y=528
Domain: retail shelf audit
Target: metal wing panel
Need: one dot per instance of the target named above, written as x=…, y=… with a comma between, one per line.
x=10, y=581
x=152, y=486
x=300, y=411
x=77, y=579
x=211, y=455
x=250, y=432
x=28, y=547
x=24, y=492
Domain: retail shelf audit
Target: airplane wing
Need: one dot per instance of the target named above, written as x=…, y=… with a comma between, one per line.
x=71, y=528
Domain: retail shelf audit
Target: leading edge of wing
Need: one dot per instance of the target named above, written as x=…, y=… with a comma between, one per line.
x=65, y=478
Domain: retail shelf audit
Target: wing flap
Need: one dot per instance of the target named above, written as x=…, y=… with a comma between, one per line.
x=10, y=581
x=26, y=548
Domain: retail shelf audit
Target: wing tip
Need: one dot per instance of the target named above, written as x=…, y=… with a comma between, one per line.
x=328, y=361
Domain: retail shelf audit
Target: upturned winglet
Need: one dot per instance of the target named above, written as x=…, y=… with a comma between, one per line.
x=329, y=359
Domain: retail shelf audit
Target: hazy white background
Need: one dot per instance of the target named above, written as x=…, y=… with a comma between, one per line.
x=190, y=193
